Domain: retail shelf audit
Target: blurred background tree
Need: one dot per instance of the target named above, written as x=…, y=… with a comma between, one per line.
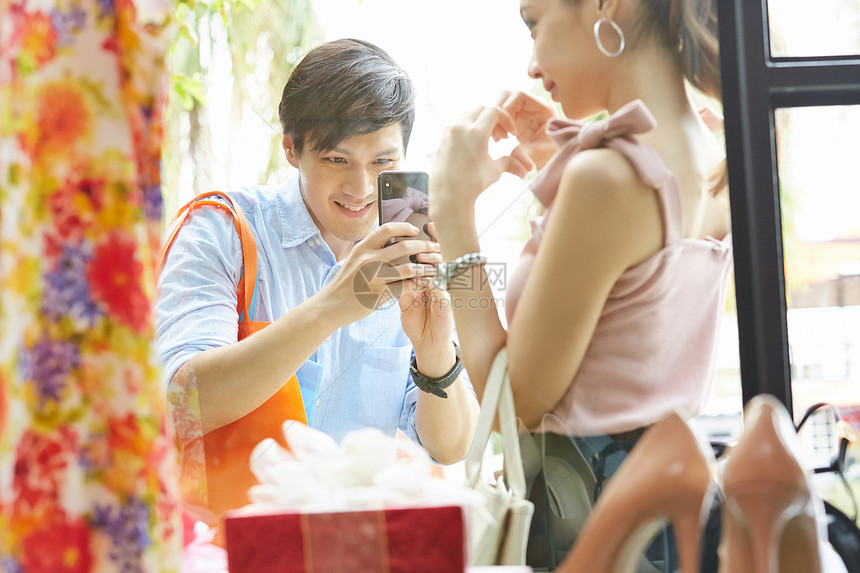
x=232, y=55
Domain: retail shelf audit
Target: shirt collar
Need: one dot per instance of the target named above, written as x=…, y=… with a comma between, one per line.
x=297, y=226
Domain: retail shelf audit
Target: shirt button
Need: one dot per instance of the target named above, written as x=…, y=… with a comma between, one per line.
x=310, y=243
x=317, y=241
x=318, y=402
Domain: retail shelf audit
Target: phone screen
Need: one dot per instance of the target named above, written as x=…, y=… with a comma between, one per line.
x=403, y=197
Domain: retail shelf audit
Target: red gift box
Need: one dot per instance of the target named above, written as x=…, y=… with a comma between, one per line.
x=396, y=540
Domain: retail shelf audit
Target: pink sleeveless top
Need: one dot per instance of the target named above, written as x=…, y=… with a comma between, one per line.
x=654, y=348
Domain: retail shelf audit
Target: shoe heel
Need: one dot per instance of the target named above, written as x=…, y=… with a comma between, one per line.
x=688, y=538
x=768, y=515
x=666, y=477
x=757, y=520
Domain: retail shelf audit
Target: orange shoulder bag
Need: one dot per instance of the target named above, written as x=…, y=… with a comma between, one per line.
x=228, y=448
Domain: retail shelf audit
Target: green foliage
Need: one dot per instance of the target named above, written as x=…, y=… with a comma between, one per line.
x=258, y=42
x=188, y=89
x=188, y=13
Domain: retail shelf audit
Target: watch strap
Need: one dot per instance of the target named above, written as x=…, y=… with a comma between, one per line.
x=436, y=386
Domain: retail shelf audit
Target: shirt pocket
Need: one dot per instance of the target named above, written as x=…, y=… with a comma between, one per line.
x=383, y=373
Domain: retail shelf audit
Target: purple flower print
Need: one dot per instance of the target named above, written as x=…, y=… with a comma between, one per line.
x=152, y=202
x=67, y=23
x=106, y=8
x=9, y=565
x=128, y=527
x=48, y=365
x=67, y=292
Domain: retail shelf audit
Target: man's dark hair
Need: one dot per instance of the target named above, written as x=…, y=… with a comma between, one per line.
x=345, y=88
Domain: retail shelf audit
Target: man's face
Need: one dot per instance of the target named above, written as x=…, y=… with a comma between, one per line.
x=339, y=186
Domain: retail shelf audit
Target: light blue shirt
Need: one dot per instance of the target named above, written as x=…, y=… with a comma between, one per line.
x=360, y=373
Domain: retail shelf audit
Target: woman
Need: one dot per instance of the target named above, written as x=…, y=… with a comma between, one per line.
x=613, y=309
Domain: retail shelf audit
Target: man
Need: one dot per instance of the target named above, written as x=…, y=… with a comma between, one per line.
x=347, y=112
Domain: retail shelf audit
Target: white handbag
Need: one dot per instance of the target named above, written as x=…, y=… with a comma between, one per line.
x=499, y=527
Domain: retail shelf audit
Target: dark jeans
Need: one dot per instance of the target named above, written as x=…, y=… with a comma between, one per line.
x=604, y=455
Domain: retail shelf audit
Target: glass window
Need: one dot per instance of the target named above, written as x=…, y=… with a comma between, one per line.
x=823, y=28
x=819, y=177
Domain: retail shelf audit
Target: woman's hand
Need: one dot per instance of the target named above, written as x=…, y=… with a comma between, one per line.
x=463, y=168
x=713, y=119
x=530, y=116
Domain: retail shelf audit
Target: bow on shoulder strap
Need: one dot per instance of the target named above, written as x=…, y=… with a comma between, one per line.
x=573, y=136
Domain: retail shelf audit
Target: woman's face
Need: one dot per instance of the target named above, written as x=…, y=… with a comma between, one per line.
x=565, y=56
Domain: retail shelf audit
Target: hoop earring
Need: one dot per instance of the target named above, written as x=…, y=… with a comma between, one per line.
x=600, y=45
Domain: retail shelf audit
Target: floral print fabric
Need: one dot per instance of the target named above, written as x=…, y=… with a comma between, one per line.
x=87, y=471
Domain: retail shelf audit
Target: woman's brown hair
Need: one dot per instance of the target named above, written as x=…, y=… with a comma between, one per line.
x=691, y=29
x=688, y=28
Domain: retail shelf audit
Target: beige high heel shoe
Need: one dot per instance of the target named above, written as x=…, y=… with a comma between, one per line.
x=768, y=516
x=666, y=477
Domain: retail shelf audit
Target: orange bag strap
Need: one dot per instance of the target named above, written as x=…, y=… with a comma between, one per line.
x=248, y=280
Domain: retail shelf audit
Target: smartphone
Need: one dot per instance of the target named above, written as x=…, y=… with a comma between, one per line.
x=403, y=196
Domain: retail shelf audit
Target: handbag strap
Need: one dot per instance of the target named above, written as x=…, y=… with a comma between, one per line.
x=846, y=435
x=498, y=398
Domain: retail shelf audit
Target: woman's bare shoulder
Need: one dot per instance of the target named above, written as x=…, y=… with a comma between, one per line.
x=601, y=192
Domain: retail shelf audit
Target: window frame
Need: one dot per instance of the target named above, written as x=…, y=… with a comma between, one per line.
x=754, y=85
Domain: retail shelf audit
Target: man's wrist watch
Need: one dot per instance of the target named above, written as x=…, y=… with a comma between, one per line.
x=436, y=386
